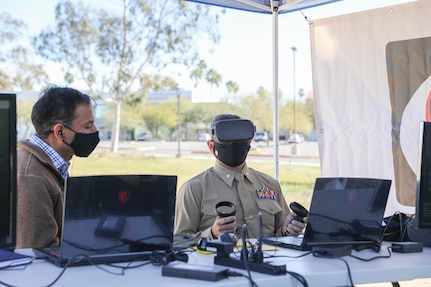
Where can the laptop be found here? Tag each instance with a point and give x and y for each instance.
(115, 218)
(343, 212)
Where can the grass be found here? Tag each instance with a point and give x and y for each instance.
(296, 181)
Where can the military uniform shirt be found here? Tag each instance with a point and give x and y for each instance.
(196, 200)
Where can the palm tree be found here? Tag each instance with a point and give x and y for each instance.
(232, 88)
(213, 78)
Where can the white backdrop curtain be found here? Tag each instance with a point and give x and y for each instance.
(371, 77)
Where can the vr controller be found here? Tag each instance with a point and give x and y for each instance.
(225, 209)
(300, 210)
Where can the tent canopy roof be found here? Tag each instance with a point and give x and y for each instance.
(266, 6)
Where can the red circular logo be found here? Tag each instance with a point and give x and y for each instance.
(123, 196)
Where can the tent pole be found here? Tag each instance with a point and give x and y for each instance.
(275, 138)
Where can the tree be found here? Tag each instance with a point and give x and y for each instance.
(304, 117)
(131, 118)
(23, 117)
(257, 108)
(19, 69)
(111, 52)
(232, 88)
(213, 78)
(197, 73)
(159, 116)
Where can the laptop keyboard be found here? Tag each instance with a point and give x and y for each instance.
(54, 252)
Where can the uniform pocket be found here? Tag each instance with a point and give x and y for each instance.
(268, 205)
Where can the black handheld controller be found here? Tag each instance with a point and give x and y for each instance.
(300, 210)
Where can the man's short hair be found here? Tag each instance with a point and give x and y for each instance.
(222, 117)
(56, 105)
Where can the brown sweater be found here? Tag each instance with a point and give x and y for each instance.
(40, 198)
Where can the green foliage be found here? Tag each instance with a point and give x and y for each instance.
(113, 47)
(113, 50)
(161, 119)
(258, 108)
(197, 73)
(304, 117)
(213, 77)
(232, 89)
(19, 69)
(120, 50)
(23, 110)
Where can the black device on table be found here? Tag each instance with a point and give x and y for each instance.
(419, 229)
(8, 183)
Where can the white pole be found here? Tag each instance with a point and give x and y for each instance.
(275, 138)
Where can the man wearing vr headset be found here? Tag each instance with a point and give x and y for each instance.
(257, 193)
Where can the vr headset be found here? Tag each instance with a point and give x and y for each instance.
(233, 130)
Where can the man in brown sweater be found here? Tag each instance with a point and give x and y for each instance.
(64, 122)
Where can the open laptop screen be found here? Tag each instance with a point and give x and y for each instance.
(347, 210)
(114, 214)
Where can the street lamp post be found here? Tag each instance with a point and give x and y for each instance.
(179, 124)
(295, 148)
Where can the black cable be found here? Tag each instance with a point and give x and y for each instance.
(288, 256)
(382, 236)
(56, 279)
(295, 275)
(230, 273)
(245, 254)
(128, 266)
(298, 277)
(403, 226)
(349, 273)
(373, 258)
(79, 257)
(406, 226)
(124, 242)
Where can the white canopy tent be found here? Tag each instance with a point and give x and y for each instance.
(272, 7)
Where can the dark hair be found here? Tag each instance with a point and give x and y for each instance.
(57, 105)
(222, 117)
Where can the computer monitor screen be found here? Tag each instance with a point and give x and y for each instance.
(7, 171)
(423, 192)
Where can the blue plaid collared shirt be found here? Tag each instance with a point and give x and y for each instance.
(60, 164)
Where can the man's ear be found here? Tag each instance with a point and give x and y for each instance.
(210, 145)
(58, 131)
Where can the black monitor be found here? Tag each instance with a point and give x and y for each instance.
(8, 171)
(423, 192)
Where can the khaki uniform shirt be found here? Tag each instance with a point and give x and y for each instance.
(196, 200)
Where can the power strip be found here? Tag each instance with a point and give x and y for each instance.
(192, 271)
(265, 268)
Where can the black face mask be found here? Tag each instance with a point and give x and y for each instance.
(83, 144)
(232, 154)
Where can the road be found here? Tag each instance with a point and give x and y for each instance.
(306, 153)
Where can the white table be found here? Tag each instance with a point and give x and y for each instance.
(319, 272)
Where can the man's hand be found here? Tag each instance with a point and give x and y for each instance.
(223, 224)
(293, 227)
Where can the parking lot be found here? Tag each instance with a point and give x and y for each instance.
(306, 152)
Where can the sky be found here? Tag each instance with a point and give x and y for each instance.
(245, 52)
